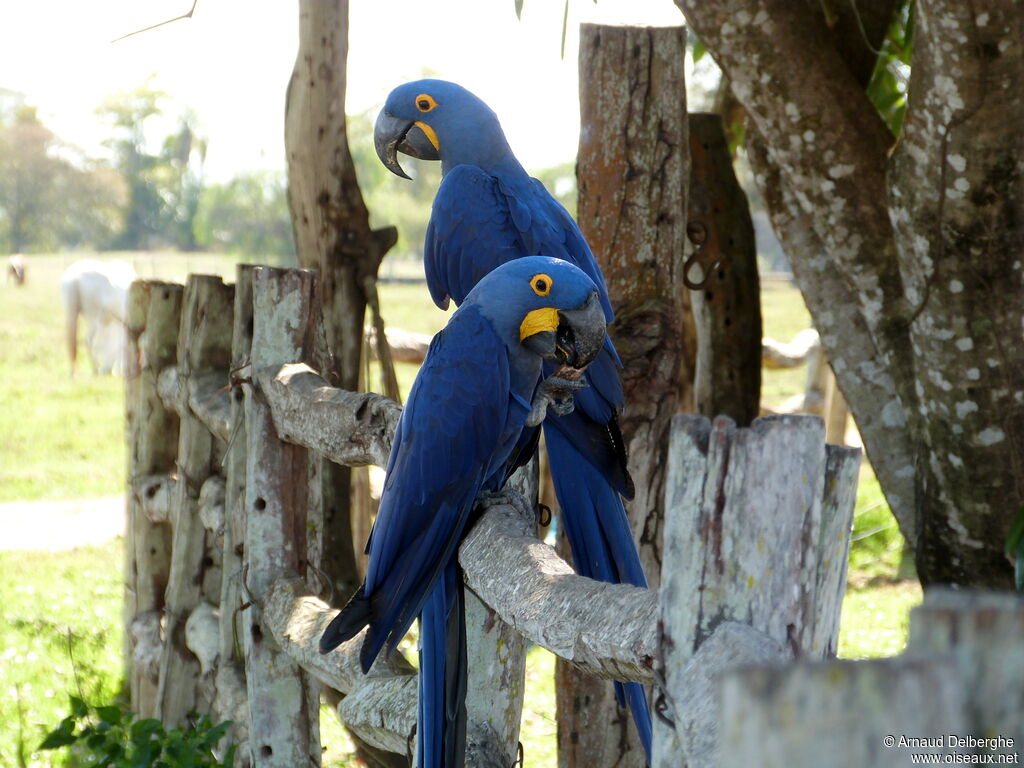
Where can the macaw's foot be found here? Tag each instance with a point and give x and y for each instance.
(555, 392)
(506, 497)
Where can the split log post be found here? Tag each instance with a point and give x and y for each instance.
(727, 308)
(497, 667)
(283, 700)
(982, 632)
(154, 312)
(633, 169)
(204, 344)
(837, 713)
(758, 521)
(230, 702)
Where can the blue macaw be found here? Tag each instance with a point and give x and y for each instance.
(489, 211)
(470, 421)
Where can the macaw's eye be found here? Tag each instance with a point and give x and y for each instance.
(541, 284)
(425, 102)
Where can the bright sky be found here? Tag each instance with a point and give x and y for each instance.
(231, 63)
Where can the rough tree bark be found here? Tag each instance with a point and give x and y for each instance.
(909, 259)
(333, 235)
(632, 172)
(154, 314)
(727, 309)
(204, 344)
(283, 700)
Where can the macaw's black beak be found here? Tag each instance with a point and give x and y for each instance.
(580, 334)
(392, 135)
(569, 337)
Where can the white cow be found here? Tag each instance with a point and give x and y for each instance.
(97, 290)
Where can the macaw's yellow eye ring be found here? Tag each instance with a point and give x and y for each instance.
(425, 102)
(541, 284)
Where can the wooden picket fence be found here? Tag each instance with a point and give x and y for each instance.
(229, 429)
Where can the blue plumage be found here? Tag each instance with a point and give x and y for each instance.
(463, 432)
(487, 212)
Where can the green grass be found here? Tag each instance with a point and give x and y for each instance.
(55, 607)
(63, 438)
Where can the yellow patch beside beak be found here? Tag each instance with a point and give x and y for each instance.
(538, 321)
(429, 133)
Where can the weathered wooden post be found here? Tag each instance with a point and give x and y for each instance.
(497, 668)
(758, 523)
(983, 634)
(284, 701)
(838, 713)
(727, 305)
(154, 311)
(230, 702)
(632, 169)
(204, 348)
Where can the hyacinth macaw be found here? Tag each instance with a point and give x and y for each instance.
(489, 211)
(470, 421)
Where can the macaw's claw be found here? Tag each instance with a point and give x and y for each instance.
(555, 392)
(506, 497)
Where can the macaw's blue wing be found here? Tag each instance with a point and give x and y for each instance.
(452, 441)
(480, 221)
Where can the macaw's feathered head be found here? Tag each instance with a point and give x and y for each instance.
(437, 120)
(547, 305)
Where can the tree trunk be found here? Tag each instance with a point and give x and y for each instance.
(909, 263)
(727, 307)
(632, 172)
(333, 235)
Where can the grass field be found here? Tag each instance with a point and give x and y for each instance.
(62, 439)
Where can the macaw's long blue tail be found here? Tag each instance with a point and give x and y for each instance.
(602, 542)
(443, 669)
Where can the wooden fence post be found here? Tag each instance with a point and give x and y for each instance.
(632, 170)
(837, 713)
(204, 345)
(230, 702)
(727, 309)
(154, 311)
(284, 701)
(497, 667)
(983, 632)
(758, 521)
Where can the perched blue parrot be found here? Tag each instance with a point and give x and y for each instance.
(488, 211)
(470, 421)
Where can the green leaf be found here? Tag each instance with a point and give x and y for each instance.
(216, 733)
(699, 49)
(519, 9)
(78, 707)
(57, 739)
(142, 729)
(1018, 566)
(109, 714)
(1016, 534)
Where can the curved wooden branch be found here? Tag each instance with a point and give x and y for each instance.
(608, 630)
(349, 428)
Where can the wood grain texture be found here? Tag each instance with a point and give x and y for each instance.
(632, 173)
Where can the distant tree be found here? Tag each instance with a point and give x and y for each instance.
(127, 114)
(28, 182)
(247, 215)
(181, 180)
(50, 195)
(164, 186)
